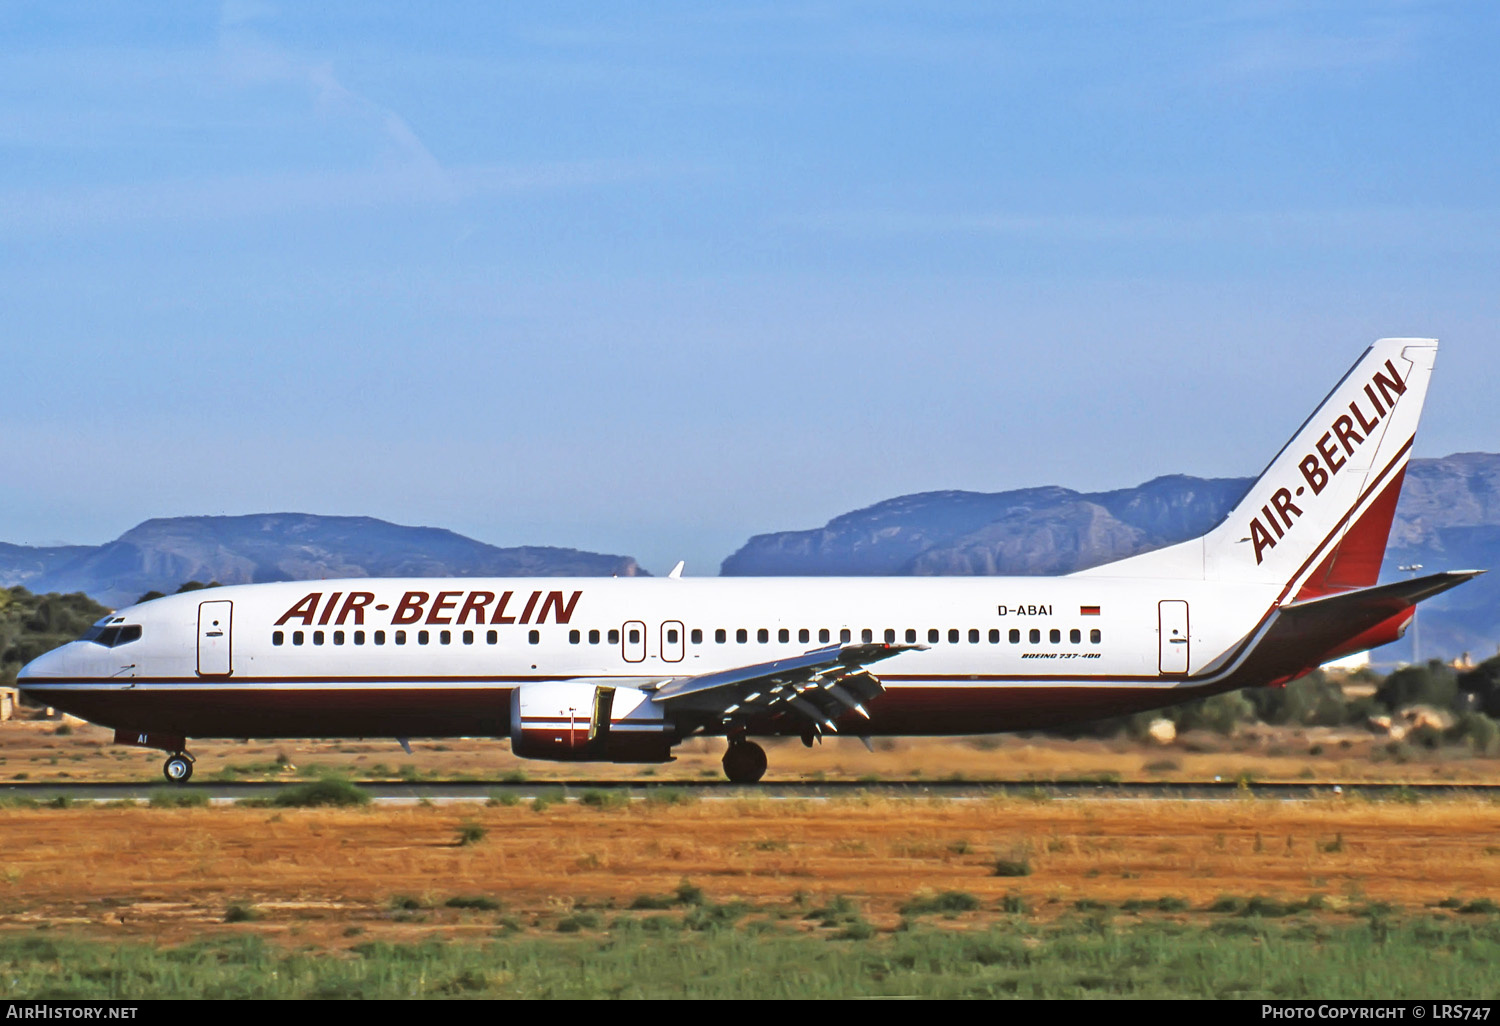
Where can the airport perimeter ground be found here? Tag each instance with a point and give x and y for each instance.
(753, 897)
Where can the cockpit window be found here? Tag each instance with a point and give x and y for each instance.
(113, 635)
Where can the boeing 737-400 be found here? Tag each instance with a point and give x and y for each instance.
(623, 669)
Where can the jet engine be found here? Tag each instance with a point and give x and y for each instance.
(578, 721)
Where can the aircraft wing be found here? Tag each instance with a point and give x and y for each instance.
(818, 686)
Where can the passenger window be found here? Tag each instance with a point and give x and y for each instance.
(721, 636)
(1015, 636)
(762, 635)
(574, 637)
(535, 637)
(783, 635)
(317, 637)
(671, 636)
(911, 635)
(338, 637)
(278, 638)
(1035, 636)
(933, 636)
(994, 636)
(1054, 635)
(446, 637)
(297, 637)
(400, 638)
(741, 635)
(614, 636)
(468, 637)
(953, 635)
(867, 635)
(359, 637)
(804, 636)
(635, 636)
(696, 636)
(890, 635)
(1075, 635)
(845, 635)
(973, 635)
(380, 637)
(593, 637)
(491, 637)
(1094, 636)
(823, 635)
(423, 637)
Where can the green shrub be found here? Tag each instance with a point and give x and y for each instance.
(1227, 903)
(653, 901)
(470, 832)
(1433, 684)
(948, 901)
(1013, 867)
(1480, 732)
(473, 901)
(606, 799)
(239, 913)
(329, 791)
(175, 798)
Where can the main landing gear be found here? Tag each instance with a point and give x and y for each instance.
(744, 762)
(178, 768)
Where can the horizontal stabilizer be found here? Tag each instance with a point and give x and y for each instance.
(1308, 633)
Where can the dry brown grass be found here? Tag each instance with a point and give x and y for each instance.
(328, 877)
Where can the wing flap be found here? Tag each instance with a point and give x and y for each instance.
(818, 686)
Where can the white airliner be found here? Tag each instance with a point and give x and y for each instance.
(623, 669)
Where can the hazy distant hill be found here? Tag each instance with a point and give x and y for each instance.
(161, 554)
(1448, 518)
(25, 564)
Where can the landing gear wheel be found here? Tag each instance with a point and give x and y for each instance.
(745, 762)
(178, 769)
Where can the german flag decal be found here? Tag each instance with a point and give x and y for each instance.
(1088, 610)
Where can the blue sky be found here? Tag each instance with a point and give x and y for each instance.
(648, 278)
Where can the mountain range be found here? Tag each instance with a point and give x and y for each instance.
(161, 554)
(1448, 518)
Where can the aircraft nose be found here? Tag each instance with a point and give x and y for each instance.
(48, 664)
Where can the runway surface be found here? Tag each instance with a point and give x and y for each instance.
(470, 791)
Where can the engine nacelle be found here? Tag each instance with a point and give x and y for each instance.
(576, 721)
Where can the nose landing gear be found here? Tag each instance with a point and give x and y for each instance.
(744, 762)
(178, 768)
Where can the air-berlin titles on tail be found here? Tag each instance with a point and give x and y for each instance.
(1348, 431)
(445, 607)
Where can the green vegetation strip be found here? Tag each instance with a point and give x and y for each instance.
(666, 956)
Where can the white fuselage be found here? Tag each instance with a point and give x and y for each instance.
(333, 643)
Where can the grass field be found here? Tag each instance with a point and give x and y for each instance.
(35, 751)
(606, 897)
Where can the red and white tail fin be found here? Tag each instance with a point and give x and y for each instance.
(1317, 518)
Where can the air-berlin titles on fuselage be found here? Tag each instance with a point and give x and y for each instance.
(1348, 431)
(420, 607)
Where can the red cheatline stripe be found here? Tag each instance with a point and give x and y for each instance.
(1088, 610)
